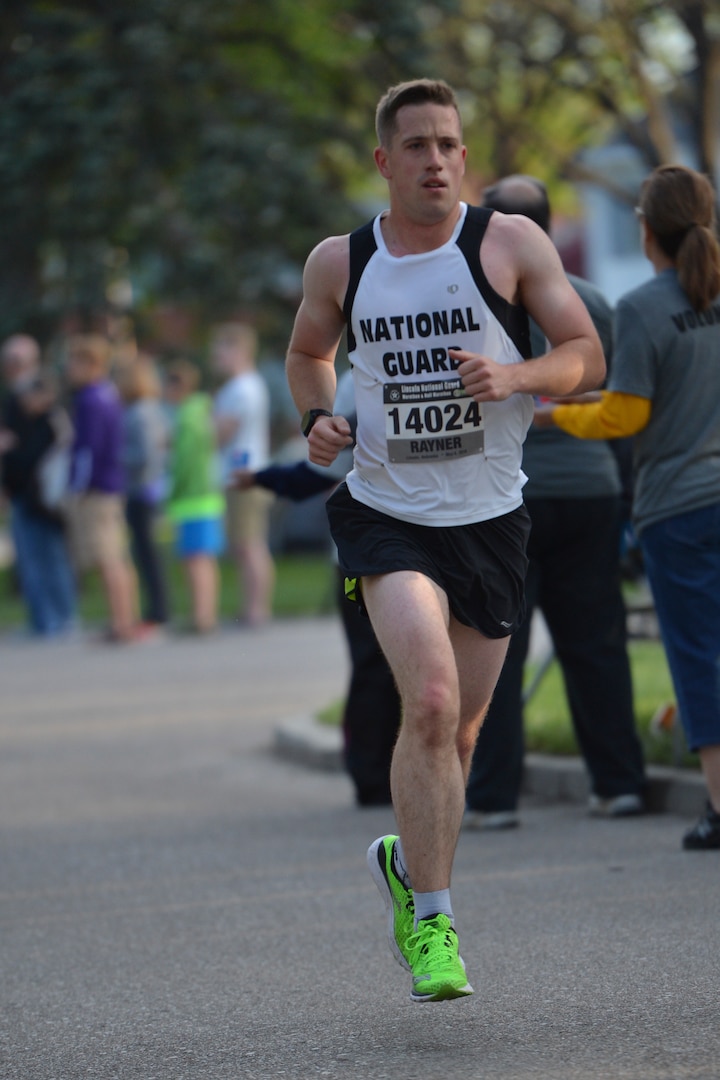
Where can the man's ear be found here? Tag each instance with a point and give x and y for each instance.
(381, 160)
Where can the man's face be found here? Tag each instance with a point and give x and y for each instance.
(425, 162)
(19, 367)
(81, 368)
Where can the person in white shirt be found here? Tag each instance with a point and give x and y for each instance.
(242, 418)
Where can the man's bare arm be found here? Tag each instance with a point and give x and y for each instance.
(310, 363)
(522, 264)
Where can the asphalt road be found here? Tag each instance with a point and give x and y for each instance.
(177, 903)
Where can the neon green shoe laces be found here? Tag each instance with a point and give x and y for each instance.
(437, 968)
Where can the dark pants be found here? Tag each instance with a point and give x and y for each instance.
(44, 569)
(574, 578)
(372, 711)
(140, 518)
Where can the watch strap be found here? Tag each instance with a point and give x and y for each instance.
(308, 420)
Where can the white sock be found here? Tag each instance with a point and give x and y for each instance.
(428, 904)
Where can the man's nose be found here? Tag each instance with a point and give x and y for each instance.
(434, 156)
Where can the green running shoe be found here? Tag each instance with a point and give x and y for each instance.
(437, 968)
(399, 902)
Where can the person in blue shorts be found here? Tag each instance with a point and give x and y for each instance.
(195, 499)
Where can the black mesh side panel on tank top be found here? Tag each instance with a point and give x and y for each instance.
(362, 247)
(512, 317)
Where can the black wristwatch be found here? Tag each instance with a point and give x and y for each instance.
(308, 420)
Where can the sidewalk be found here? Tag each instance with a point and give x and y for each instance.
(552, 779)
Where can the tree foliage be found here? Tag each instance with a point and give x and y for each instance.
(202, 148)
(207, 144)
(547, 80)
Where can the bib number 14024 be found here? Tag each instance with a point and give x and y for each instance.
(431, 421)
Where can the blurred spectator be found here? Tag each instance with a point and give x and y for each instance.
(195, 499)
(35, 434)
(664, 390)
(96, 509)
(574, 498)
(242, 418)
(145, 448)
(371, 716)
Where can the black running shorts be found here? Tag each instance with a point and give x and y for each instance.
(481, 567)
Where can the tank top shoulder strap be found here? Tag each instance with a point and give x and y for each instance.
(512, 317)
(363, 246)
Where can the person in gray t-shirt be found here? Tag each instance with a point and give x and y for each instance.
(665, 389)
(573, 496)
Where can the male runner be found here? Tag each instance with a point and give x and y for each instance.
(430, 522)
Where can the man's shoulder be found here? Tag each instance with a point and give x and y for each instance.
(327, 272)
(508, 226)
(330, 251)
(515, 239)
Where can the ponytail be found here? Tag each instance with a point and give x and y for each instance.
(698, 266)
(679, 207)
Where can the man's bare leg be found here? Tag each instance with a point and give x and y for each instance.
(479, 664)
(445, 673)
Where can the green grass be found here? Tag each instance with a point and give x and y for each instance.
(548, 728)
(304, 586)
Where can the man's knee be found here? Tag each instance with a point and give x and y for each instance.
(432, 715)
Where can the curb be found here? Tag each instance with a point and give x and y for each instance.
(301, 739)
(305, 741)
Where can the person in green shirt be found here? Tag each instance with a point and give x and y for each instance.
(195, 501)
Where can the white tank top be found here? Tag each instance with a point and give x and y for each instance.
(425, 452)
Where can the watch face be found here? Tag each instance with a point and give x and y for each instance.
(309, 419)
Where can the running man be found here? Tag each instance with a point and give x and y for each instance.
(430, 524)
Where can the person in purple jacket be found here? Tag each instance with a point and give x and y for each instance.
(97, 482)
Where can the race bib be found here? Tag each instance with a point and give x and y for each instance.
(431, 421)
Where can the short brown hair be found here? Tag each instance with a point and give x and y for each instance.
(415, 92)
(678, 205)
